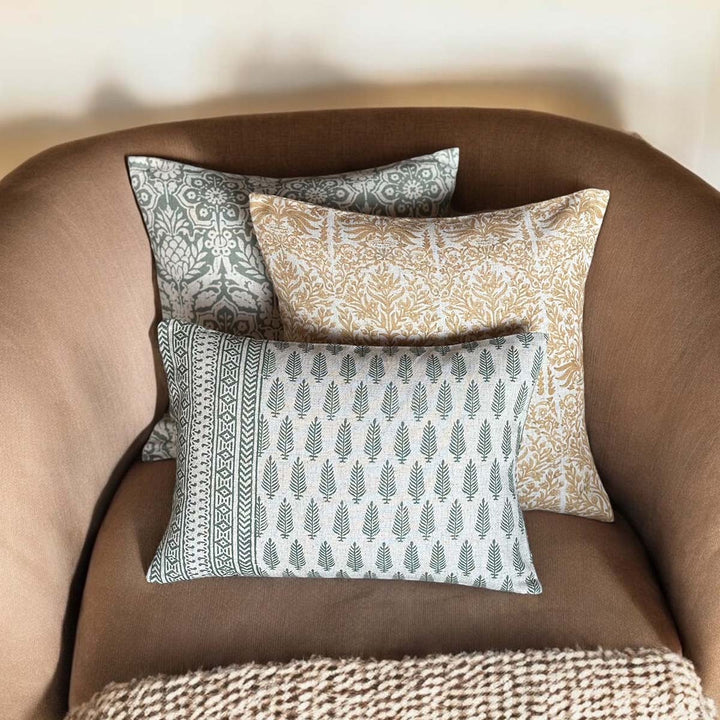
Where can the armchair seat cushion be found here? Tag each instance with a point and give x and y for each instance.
(599, 590)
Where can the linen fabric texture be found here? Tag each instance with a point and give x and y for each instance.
(345, 277)
(209, 268)
(350, 462)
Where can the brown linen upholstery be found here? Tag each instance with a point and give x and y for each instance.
(598, 590)
(80, 384)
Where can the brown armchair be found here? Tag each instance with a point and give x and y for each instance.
(80, 385)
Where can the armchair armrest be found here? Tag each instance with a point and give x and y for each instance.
(77, 390)
(652, 329)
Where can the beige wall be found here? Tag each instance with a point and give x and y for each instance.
(69, 68)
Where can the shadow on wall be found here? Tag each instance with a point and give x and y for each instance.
(113, 108)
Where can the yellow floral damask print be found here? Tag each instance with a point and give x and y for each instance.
(350, 278)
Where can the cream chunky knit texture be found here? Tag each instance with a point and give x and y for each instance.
(538, 684)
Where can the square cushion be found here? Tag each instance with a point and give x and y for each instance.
(208, 265)
(598, 589)
(346, 277)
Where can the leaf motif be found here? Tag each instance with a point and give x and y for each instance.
(361, 403)
(433, 369)
(457, 441)
(498, 401)
(387, 487)
(343, 443)
(297, 555)
(327, 481)
(520, 400)
(484, 446)
(293, 366)
(512, 363)
(482, 523)
(487, 365)
(412, 559)
(298, 484)
(269, 364)
(263, 435)
(341, 523)
(437, 558)
(390, 403)
(472, 399)
(371, 522)
(506, 446)
(470, 481)
(518, 562)
(458, 367)
(455, 520)
(285, 443)
(533, 585)
(377, 369)
(331, 406)
(270, 554)
(495, 485)
(428, 443)
(302, 399)
(405, 369)
(383, 560)
(507, 585)
(442, 481)
(348, 369)
(372, 441)
(494, 562)
(354, 560)
(444, 400)
(270, 483)
(418, 404)
(261, 521)
(507, 523)
(402, 443)
(319, 367)
(285, 519)
(537, 364)
(427, 520)
(401, 522)
(497, 342)
(325, 556)
(313, 443)
(312, 519)
(466, 562)
(356, 487)
(525, 339)
(276, 397)
(416, 486)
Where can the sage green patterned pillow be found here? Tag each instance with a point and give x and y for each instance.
(209, 267)
(353, 462)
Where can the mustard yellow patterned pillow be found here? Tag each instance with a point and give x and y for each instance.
(349, 278)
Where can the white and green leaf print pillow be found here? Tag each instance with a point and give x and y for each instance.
(337, 461)
(209, 267)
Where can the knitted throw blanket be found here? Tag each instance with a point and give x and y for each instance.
(546, 684)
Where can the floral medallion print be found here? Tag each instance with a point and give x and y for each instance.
(316, 460)
(350, 278)
(209, 268)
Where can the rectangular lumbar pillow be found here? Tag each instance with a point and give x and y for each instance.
(345, 277)
(340, 461)
(209, 268)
